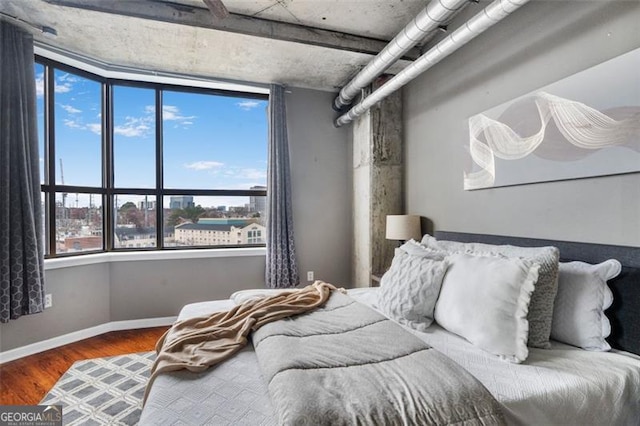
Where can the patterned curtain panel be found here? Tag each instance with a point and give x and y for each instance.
(21, 250)
(282, 269)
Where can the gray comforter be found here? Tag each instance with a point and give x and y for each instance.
(347, 364)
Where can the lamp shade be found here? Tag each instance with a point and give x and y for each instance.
(403, 227)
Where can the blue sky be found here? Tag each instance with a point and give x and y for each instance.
(210, 142)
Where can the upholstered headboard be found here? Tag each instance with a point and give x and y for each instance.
(624, 314)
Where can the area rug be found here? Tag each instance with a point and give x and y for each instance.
(102, 391)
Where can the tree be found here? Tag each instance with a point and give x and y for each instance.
(129, 213)
(127, 206)
(191, 214)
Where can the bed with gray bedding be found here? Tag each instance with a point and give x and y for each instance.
(347, 364)
(562, 385)
(344, 363)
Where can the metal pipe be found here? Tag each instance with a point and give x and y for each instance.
(431, 18)
(492, 14)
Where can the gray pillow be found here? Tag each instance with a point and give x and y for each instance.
(410, 288)
(583, 296)
(541, 306)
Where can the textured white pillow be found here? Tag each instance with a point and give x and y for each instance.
(409, 289)
(415, 248)
(583, 296)
(485, 299)
(541, 306)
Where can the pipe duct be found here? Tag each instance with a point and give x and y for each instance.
(489, 16)
(437, 13)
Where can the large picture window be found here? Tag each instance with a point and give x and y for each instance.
(131, 165)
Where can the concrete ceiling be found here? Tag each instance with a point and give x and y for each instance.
(317, 44)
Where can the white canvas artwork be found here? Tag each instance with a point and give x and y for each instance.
(585, 125)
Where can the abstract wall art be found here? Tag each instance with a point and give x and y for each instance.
(585, 125)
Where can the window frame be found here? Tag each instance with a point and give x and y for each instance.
(49, 188)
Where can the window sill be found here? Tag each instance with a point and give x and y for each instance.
(92, 259)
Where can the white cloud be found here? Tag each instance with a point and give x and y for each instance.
(248, 105)
(252, 174)
(73, 124)
(67, 77)
(246, 173)
(204, 165)
(40, 85)
(63, 88)
(134, 127)
(70, 109)
(78, 124)
(131, 131)
(172, 113)
(94, 127)
(64, 83)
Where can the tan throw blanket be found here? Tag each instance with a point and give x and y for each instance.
(198, 343)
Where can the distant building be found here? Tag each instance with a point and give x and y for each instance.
(82, 243)
(181, 202)
(258, 203)
(147, 205)
(209, 233)
(236, 221)
(132, 237)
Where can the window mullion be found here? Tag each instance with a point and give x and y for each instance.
(108, 220)
(159, 173)
(50, 155)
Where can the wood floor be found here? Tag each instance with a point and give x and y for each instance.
(26, 381)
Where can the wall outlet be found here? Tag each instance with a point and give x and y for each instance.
(48, 300)
(310, 276)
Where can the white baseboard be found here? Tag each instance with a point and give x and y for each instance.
(65, 339)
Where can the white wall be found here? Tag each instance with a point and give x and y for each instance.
(86, 296)
(539, 44)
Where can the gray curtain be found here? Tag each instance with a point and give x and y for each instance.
(21, 256)
(282, 269)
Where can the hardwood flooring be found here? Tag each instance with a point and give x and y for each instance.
(26, 381)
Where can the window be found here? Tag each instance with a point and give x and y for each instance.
(134, 165)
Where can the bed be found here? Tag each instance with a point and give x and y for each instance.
(562, 384)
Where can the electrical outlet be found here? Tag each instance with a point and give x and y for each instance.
(310, 276)
(48, 300)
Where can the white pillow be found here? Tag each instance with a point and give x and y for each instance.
(583, 296)
(485, 299)
(541, 306)
(415, 248)
(409, 289)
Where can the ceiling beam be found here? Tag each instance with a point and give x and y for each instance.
(176, 13)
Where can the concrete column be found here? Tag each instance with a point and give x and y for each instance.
(377, 185)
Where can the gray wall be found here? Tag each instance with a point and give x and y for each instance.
(539, 44)
(160, 288)
(87, 296)
(80, 300)
(321, 187)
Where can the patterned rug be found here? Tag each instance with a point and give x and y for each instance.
(103, 391)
